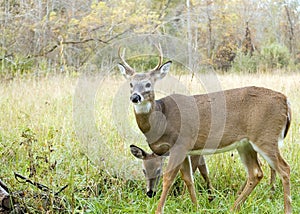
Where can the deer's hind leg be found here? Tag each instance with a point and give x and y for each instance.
(283, 170)
(249, 158)
(272, 182)
(275, 160)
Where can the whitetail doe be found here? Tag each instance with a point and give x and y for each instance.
(152, 168)
(256, 121)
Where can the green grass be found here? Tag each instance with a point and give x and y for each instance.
(38, 139)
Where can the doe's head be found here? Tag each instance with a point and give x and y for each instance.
(152, 168)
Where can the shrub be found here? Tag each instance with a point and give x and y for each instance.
(225, 54)
(274, 55)
(13, 66)
(245, 62)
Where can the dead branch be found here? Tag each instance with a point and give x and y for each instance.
(44, 53)
(38, 185)
(26, 180)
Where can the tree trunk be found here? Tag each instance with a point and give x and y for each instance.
(248, 47)
(189, 34)
(209, 29)
(291, 30)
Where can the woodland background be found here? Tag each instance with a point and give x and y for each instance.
(59, 36)
(47, 48)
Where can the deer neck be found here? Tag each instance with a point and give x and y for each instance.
(143, 112)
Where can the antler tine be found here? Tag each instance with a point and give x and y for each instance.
(158, 47)
(127, 67)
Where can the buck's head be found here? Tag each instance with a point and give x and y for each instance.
(142, 84)
(152, 168)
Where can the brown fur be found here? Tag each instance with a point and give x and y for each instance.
(179, 124)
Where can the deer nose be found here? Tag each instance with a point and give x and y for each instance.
(135, 98)
(151, 194)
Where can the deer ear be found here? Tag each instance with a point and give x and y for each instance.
(162, 71)
(138, 152)
(127, 74)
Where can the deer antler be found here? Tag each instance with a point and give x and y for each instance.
(125, 64)
(158, 47)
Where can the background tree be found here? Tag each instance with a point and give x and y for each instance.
(51, 35)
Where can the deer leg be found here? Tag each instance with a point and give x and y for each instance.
(272, 182)
(198, 162)
(177, 156)
(283, 169)
(242, 188)
(272, 179)
(195, 162)
(204, 172)
(168, 179)
(186, 175)
(249, 158)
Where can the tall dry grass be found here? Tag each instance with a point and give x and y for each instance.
(38, 138)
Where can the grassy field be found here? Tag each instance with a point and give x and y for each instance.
(76, 131)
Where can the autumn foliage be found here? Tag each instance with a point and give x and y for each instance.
(55, 36)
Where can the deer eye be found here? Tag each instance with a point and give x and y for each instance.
(131, 85)
(148, 85)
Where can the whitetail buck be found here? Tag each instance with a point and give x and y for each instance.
(152, 168)
(256, 121)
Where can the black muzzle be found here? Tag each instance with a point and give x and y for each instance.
(135, 98)
(151, 194)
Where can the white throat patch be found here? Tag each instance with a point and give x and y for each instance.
(142, 108)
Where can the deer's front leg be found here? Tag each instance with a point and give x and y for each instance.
(177, 156)
(187, 176)
(168, 180)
